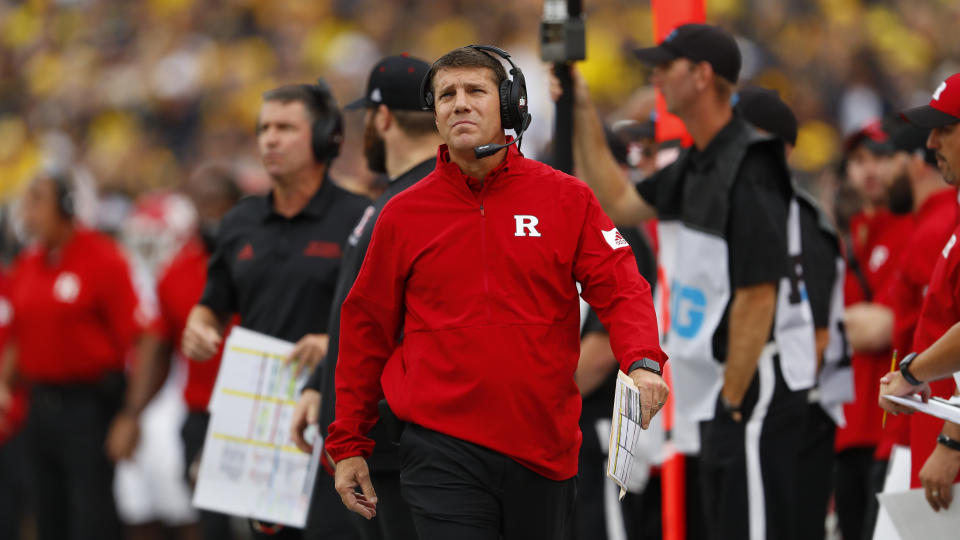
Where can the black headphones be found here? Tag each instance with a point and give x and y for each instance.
(327, 130)
(513, 93)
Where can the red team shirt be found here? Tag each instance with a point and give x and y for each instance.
(10, 421)
(75, 315)
(941, 310)
(877, 242)
(178, 290)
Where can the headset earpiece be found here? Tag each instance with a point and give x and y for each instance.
(519, 118)
(426, 93)
(64, 192)
(506, 114)
(327, 130)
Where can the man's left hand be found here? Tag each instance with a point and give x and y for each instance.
(937, 476)
(308, 352)
(653, 394)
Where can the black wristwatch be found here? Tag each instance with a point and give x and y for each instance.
(647, 364)
(733, 411)
(905, 369)
(948, 442)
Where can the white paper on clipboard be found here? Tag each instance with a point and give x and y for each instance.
(624, 432)
(249, 466)
(942, 409)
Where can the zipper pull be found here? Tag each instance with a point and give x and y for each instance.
(482, 214)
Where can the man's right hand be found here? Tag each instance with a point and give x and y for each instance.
(893, 384)
(305, 413)
(352, 472)
(200, 340)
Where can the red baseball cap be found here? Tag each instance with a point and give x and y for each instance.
(944, 107)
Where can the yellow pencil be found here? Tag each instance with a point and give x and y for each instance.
(893, 366)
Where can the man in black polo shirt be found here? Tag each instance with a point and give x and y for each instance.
(723, 210)
(277, 257)
(401, 141)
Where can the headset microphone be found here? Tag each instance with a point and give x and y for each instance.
(487, 150)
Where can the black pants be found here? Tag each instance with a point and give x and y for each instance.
(213, 525)
(815, 473)
(13, 487)
(859, 477)
(71, 476)
(693, 491)
(748, 469)
(462, 491)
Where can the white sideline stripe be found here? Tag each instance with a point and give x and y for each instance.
(756, 508)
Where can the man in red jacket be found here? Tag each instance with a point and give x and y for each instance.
(466, 311)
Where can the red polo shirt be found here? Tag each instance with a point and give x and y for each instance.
(878, 240)
(76, 312)
(10, 421)
(178, 290)
(941, 310)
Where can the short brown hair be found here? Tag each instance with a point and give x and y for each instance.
(467, 57)
(415, 123)
(311, 98)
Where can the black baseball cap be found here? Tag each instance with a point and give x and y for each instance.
(394, 82)
(943, 109)
(906, 137)
(700, 43)
(763, 108)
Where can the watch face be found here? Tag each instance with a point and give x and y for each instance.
(651, 365)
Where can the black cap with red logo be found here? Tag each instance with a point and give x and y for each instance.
(394, 82)
(943, 109)
(873, 136)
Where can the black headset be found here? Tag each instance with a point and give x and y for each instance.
(327, 130)
(513, 100)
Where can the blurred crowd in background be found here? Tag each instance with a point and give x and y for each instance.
(136, 94)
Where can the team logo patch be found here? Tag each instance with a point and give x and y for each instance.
(939, 90)
(327, 250)
(246, 253)
(878, 257)
(614, 238)
(526, 225)
(67, 287)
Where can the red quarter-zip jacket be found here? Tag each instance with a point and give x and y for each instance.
(466, 312)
